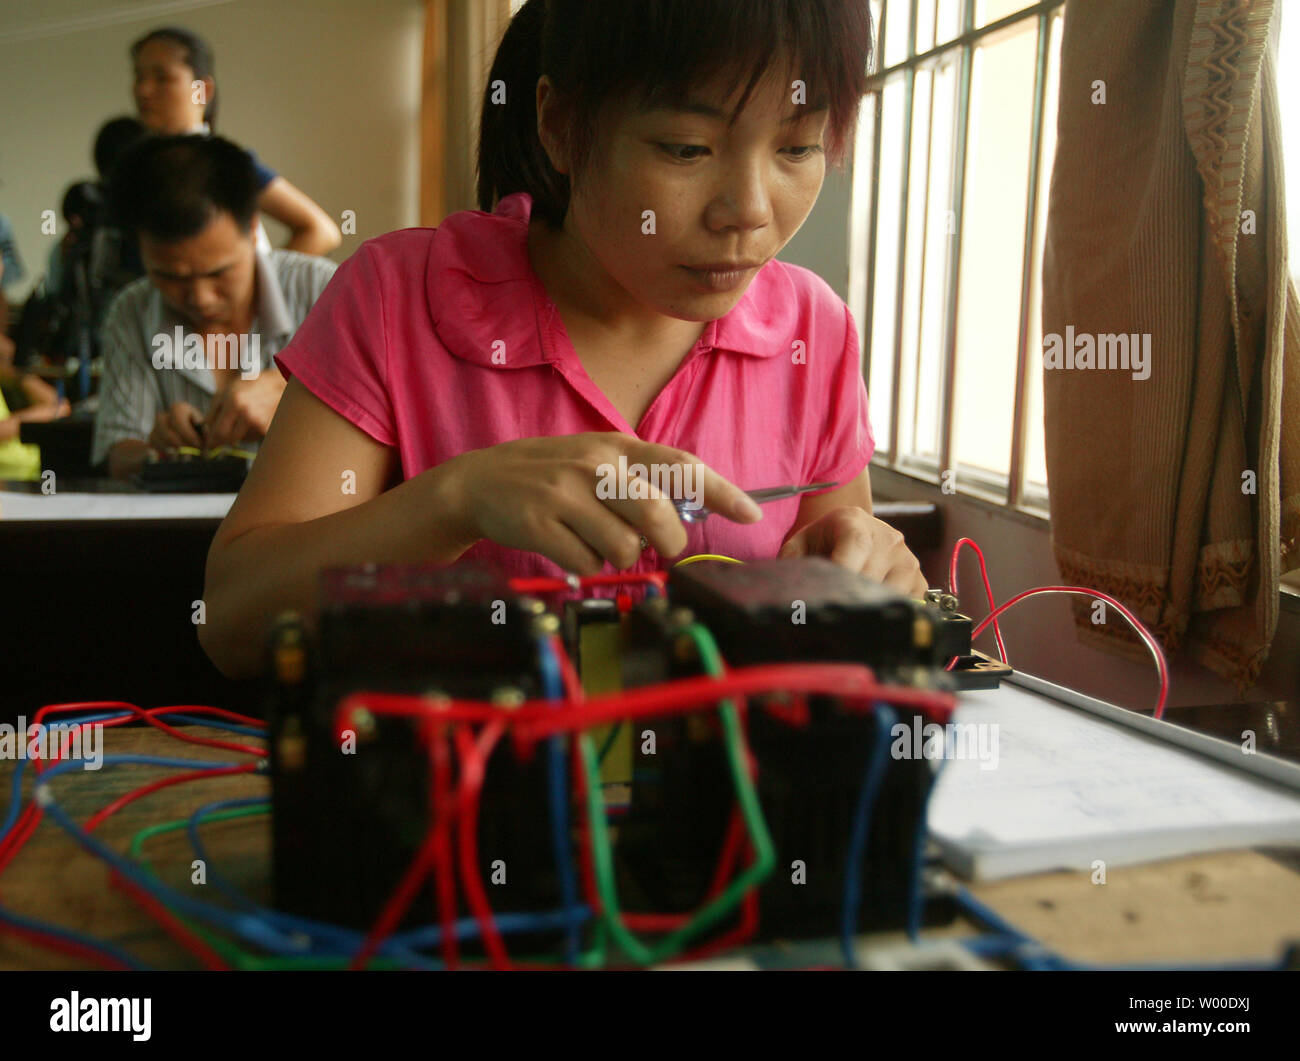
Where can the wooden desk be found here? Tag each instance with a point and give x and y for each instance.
(1224, 908)
(53, 879)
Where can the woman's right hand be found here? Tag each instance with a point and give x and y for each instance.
(539, 495)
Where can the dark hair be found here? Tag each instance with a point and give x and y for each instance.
(114, 137)
(198, 57)
(658, 50)
(171, 187)
(83, 200)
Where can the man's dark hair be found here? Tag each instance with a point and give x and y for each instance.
(657, 52)
(114, 137)
(83, 200)
(171, 187)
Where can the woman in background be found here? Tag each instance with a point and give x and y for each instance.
(168, 62)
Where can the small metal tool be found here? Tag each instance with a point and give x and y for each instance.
(761, 497)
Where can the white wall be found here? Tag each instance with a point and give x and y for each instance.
(327, 92)
(822, 245)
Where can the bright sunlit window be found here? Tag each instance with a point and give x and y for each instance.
(951, 174)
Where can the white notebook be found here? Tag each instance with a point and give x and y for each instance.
(1069, 789)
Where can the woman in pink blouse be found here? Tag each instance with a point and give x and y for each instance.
(461, 392)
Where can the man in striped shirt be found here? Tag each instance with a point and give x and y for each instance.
(188, 348)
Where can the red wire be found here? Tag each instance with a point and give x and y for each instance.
(403, 895)
(473, 767)
(1148, 638)
(445, 880)
(568, 673)
(988, 589)
(209, 958)
(30, 819)
(732, 845)
(169, 923)
(538, 719)
(166, 782)
(148, 715)
(586, 860)
(65, 946)
(400, 901)
(32, 815)
(173, 927)
(544, 584)
(188, 709)
(19, 835)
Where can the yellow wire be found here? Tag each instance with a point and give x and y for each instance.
(220, 451)
(707, 556)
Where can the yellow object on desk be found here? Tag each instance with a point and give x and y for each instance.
(18, 460)
(212, 454)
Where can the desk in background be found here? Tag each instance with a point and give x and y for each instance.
(65, 444)
(98, 597)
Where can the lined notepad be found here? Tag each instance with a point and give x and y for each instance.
(1070, 788)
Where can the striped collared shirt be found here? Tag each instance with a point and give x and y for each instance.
(133, 392)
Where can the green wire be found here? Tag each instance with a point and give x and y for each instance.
(751, 811)
(611, 923)
(246, 960)
(609, 740)
(237, 956)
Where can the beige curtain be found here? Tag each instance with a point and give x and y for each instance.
(460, 39)
(1179, 493)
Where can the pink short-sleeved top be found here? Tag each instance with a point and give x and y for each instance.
(439, 341)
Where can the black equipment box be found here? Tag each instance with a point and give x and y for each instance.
(346, 826)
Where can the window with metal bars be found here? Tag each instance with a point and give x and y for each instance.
(951, 172)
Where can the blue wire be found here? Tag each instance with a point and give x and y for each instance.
(348, 939)
(884, 717)
(200, 852)
(416, 938)
(102, 946)
(63, 766)
(11, 818)
(917, 900)
(243, 926)
(468, 927)
(290, 924)
(246, 926)
(253, 926)
(557, 784)
(16, 785)
(232, 727)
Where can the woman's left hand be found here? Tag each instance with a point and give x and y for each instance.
(852, 538)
